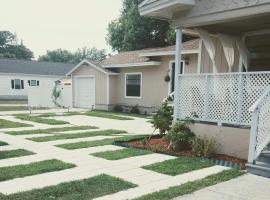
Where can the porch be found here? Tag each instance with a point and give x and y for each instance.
(232, 87)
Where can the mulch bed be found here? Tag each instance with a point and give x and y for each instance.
(161, 145)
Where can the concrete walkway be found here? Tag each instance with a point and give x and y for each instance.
(88, 166)
(247, 187)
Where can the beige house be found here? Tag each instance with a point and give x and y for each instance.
(131, 78)
(230, 96)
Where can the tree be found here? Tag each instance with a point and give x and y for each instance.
(10, 48)
(65, 56)
(132, 31)
(58, 55)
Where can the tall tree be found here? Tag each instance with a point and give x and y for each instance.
(133, 31)
(10, 48)
(65, 56)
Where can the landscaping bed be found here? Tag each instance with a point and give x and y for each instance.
(160, 144)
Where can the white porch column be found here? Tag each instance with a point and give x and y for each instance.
(178, 59)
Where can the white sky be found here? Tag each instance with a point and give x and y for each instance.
(50, 24)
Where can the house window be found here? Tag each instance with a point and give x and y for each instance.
(33, 83)
(17, 84)
(173, 74)
(133, 85)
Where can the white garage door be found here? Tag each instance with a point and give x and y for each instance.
(85, 92)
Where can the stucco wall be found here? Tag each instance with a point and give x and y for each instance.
(6, 92)
(232, 141)
(101, 82)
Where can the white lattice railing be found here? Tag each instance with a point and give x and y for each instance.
(222, 98)
(260, 126)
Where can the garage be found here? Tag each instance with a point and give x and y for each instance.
(85, 92)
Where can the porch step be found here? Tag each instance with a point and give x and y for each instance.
(264, 157)
(260, 169)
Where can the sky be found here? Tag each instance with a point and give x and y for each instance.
(51, 24)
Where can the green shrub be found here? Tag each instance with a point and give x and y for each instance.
(204, 146)
(163, 119)
(135, 110)
(180, 136)
(118, 108)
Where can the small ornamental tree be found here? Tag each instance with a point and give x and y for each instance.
(163, 119)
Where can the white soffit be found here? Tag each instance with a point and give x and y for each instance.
(164, 8)
(166, 53)
(151, 63)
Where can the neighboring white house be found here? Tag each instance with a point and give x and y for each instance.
(17, 76)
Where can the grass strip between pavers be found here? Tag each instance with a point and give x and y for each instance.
(76, 135)
(50, 130)
(10, 124)
(3, 143)
(122, 153)
(193, 186)
(14, 153)
(19, 171)
(107, 115)
(179, 165)
(42, 120)
(90, 188)
(86, 144)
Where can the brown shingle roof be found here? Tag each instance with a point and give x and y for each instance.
(134, 56)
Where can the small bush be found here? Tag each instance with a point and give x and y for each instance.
(163, 119)
(180, 136)
(135, 110)
(204, 146)
(118, 108)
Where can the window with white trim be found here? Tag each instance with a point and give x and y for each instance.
(17, 84)
(133, 85)
(33, 83)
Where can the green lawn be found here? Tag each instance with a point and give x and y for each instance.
(50, 130)
(125, 114)
(14, 153)
(85, 189)
(20, 171)
(9, 124)
(193, 186)
(108, 115)
(179, 165)
(38, 119)
(76, 135)
(122, 153)
(86, 144)
(13, 108)
(3, 143)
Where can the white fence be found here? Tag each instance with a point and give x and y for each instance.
(42, 96)
(222, 98)
(260, 128)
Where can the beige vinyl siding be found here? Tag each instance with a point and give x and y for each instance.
(192, 66)
(100, 79)
(113, 89)
(154, 88)
(221, 62)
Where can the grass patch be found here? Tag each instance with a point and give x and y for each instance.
(14, 153)
(86, 144)
(193, 186)
(90, 188)
(38, 119)
(107, 115)
(76, 135)
(179, 165)
(3, 143)
(20, 171)
(125, 114)
(50, 130)
(9, 124)
(122, 153)
(13, 108)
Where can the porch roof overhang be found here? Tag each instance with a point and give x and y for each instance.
(167, 53)
(164, 8)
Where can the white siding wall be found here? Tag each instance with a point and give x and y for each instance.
(6, 89)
